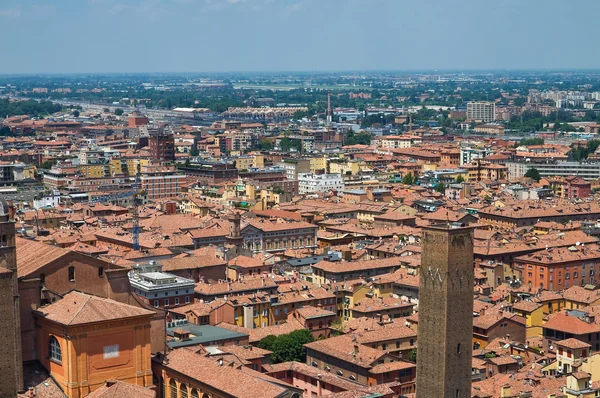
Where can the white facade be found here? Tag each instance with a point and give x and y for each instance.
(49, 200)
(484, 111)
(319, 183)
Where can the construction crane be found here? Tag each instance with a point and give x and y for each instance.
(138, 195)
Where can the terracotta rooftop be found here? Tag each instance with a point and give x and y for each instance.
(228, 380)
(77, 308)
(573, 343)
(570, 324)
(344, 348)
(369, 305)
(390, 331)
(119, 389)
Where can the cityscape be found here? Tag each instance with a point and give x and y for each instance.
(323, 213)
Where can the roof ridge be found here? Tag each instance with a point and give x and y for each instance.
(89, 297)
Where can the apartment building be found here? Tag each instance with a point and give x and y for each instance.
(483, 111)
(309, 183)
(161, 182)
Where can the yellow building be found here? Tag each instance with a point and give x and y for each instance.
(317, 164)
(350, 293)
(579, 383)
(93, 170)
(29, 172)
(344, 168)
(252, 311)
(533, 314)
(578, 297)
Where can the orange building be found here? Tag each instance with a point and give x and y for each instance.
(85, 340)
(560, 268)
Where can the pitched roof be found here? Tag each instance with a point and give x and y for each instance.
(231, 381)
(573, 343)
(118, 389)
(347, 349)
(77, 308)
(32, 255)
(570, 324)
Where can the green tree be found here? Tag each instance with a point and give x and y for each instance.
(48, 164)
(76, 113)
(118, 111)
(460, 179)
(194, 152)
(531, 141)
(533, 173)
(408, 179)
(268, 343)
(264, 144)
(440, 187)
(287, 143)
(412, 355)
(106, 110)
(287, 347)
(278, 190)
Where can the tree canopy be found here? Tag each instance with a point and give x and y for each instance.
(533, 173)
(579, 152)
(362, 138)
(440, 187)
(29, 107)
(287, 347)
(408, 179)
(118, 111)
(287, 143)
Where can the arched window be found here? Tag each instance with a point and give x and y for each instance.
(184, 391)
(54, 351)
(195, 393)
(173, 388)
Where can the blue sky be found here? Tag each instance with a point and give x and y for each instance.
(66, 36)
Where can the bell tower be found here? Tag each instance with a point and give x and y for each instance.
(11, 363)
(445, 312)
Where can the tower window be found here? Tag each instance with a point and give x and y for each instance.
(100, 272)
(72, 274)
(458, 348)
(54, 351)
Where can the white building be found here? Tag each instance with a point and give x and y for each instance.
(50, 199)
(398, 141)
(484, 111)
(468, 154)
(319, 183)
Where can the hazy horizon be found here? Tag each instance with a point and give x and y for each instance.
(296, 36)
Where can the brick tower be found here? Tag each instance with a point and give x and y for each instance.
(11, 364)
(445, 313)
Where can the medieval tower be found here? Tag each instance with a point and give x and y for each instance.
(445, 313)
(11, 366)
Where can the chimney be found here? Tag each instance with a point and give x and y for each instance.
(31, 392)
(355, 349)
(380, 318)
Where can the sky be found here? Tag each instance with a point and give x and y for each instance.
(99, 36)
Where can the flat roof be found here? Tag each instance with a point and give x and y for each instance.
(202, 334)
